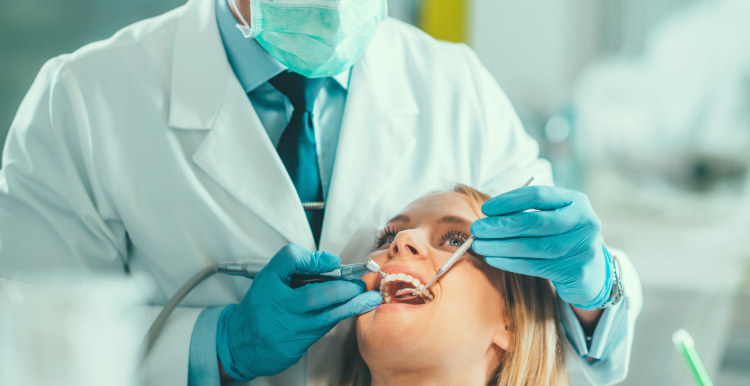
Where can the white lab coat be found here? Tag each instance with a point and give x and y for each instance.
(144, 151)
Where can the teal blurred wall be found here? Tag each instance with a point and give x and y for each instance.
(33, 31)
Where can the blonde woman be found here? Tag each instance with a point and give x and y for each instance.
(477, 325)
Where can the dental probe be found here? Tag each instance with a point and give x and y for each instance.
(411, 293)
(249, 268)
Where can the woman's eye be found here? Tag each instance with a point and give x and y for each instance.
(454, 242)
(453, 239)
(387, 236)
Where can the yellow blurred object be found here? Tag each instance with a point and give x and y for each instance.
(445, 19)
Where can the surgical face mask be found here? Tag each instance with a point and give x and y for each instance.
(315, 38)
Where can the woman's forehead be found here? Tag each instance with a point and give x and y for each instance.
(435, 206)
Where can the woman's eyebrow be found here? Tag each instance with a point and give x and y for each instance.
(400, 218)
(455, 220)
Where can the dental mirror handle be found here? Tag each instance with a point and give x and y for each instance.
(449, 263)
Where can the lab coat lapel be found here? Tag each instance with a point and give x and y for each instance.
(239, 155)
(372, 144)
(237, 152)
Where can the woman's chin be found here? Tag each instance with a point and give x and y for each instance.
(390, 335)
(396, 317)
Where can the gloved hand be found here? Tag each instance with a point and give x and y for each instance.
(274, 325)
(561, 241)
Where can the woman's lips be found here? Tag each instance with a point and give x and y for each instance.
(398, 307)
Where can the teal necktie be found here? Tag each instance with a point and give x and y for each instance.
(297, 147)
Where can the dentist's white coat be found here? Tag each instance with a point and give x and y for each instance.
(144, 151)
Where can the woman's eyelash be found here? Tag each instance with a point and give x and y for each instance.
(454, 234)
(384, 235)
(389, 232)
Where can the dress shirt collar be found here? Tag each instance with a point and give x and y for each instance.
(251, 63)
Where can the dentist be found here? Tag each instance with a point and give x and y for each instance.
(184, 140)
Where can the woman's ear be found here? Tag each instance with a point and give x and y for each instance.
(503, 337)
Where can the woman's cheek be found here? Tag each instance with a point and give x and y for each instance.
(469, 289)
(380, 257)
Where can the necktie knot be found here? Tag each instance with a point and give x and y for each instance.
(300, 90)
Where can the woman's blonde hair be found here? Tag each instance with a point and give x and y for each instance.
(537, 356)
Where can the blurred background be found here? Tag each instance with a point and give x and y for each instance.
(644, 105)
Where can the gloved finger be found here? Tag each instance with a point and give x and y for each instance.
(530, 197)
(540, 223)
(328, 318)
(545, 247)
(529, 267)
(292, 259)
(320, 295)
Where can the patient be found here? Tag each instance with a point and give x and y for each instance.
(476, 325)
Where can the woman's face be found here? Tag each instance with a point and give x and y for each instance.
(462, 324)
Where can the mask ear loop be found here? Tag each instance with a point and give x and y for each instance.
(256, 28)
(384, 15)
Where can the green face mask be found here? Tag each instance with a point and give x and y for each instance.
(315, 38)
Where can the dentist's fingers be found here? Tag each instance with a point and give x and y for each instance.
(317, 296)
(529, 267)
(547, 247)
(331, 316)
(292, 259)
(531, 197)
(539, 223)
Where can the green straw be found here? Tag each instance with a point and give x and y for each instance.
(685, 344)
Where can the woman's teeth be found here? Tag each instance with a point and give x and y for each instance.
(385, 285)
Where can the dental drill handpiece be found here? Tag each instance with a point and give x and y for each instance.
(344, 272)
(250, 267)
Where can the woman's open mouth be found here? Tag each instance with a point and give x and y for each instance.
(399, 277)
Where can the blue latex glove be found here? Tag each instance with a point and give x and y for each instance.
(274, 325)
(561, 241)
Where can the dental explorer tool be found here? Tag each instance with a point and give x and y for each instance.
(411, 293)
(249, 268)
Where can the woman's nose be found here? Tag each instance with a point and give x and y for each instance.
(408, 244)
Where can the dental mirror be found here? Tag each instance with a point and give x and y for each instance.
(411, 293)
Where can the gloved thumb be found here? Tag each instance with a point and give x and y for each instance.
(365, 302)
(368, 301)
(530, 267)
(292, 259)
